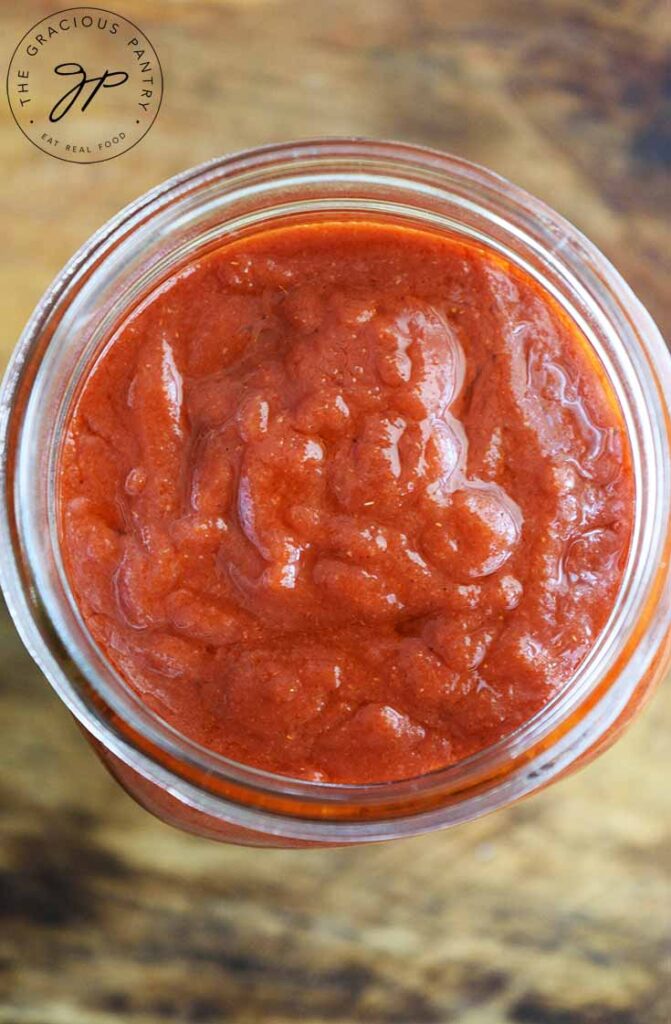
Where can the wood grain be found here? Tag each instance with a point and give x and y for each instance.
(555, 912)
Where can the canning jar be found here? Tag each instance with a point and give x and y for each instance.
(171, 775)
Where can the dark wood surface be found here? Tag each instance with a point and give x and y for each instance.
(554, 912)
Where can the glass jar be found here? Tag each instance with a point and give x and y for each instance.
(171, 775)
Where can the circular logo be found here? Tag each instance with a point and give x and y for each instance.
(84, 85)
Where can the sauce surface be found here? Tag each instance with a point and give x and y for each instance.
(347, 502)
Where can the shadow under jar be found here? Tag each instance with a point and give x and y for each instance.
(153, 239)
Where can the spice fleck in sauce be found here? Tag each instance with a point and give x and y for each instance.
(347, 502)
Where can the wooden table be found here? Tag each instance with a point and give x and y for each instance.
(555, 912)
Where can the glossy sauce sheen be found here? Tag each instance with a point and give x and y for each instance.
(347, 502)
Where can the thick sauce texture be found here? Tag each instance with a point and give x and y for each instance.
(345, 501)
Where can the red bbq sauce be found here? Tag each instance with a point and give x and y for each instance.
(346, 501)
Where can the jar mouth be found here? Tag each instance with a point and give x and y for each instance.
(204, 206)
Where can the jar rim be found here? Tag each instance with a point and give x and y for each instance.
(155, 748)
